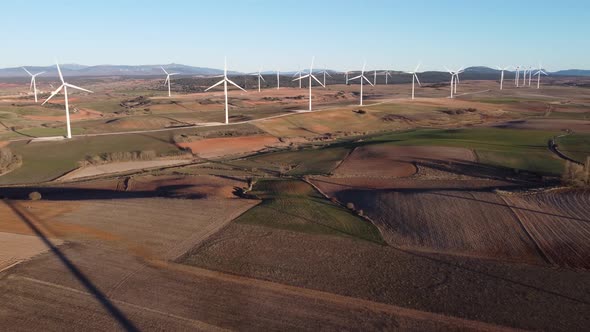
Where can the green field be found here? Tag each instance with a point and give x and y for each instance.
(294, 205)
(44, 161)
(576, 146)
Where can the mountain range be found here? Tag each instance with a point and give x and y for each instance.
(77, 70)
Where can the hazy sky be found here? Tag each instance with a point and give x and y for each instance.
(341, 34)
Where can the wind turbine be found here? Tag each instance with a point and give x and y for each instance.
(454, 80)
(65, 87)
(278, 78)
(259, 76)
(414, 78)
(310, 75)
(530, 74)
(525, 71)
(325, 72)
(168, 80)
(346, 76)
(386, 73)
(375, 77)
(362, 77)
(502, 75)
(517, 75)
(33, 85)
(538, 73)
(225, 80)
(300, 73)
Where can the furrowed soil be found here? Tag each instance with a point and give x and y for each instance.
(218, 147)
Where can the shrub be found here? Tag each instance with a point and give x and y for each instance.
(35, 196)
(8, 160)
(350, 206)
(573, 174)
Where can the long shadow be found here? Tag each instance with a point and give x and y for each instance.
(16, 131)
(82, 278)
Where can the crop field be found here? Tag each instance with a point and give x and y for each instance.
(294, 205)
(559, 222)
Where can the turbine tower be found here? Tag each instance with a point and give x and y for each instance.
(168, 80)
(325, 72)
(538, 73)
(346, 76)
(259, 76)
(454, 80)
(362, 77)
(530, 75)
(502, 70)
(375, 77)
(33, 85)
(278, 78)
(300, 73)
(310, 75)
(65, 87)
(414, 78)
(224, 81)
(516, 75)
(386, 73)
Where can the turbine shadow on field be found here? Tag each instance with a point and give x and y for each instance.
(82, 278)
(16, 131)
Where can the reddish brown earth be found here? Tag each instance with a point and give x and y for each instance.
(396, 161)
(559, 222)
(225, 146)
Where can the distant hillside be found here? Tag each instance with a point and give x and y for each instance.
(572, 72)
(111, 70)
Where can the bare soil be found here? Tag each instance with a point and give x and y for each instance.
(224, 146)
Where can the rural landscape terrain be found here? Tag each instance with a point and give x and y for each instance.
(432, 213)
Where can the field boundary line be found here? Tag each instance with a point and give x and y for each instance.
(194, 322)
(318, 295)
(526, 231)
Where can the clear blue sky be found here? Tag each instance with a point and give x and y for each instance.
(341, 34)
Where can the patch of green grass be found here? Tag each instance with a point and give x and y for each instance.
(294, 205)
(303, 162)
(499, 100)
(44, 161)
(511, 148)
(576, 146)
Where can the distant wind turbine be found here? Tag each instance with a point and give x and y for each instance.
(310, 76)
(325, 72)
(375, 77)
(259, 76)
(517, 75)
(362, 77)
(168, 80)
(454, 80)
(502, 70)
(530, 75)
(278, 78)
(224, 81)
(386, 73)
(300, 73)
(346, 76)
(414, 78)
(33, 85)
(538, 73)
(65, 87)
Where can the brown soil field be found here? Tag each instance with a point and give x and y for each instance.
(225, 146)
(15, 248)
(470, 223)
(82, 114)
(517, 295)
(396, 161)
(559, 222)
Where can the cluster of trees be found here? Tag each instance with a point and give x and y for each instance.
(8, 160)
(576, 174)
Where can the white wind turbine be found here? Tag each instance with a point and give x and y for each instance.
(168, 80)
(346, 76)
(325, 72)
(224, 81)
(362, 77)
(65, 87)
(502, 70)
(278, 78)
(375, 77)
(525, 71)
(530, 75)
(538, 73)
(454, 80)
(310, 75)
(300, 73)
(414, 78)
(387, 74)
(259, 76)
(517, 75)
(33, 85)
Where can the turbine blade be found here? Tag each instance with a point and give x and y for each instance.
(164, 70)
(354, 78)
(61, 77)
(53, 94)
(316, 79)
(214, 85)
(366, 79)
(418, 66)
(417, 80)
(28, 72)
(237, 86)
(302, 77)
(262, 77)
(76, 87)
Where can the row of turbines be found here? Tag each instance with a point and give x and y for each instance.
(298, 76)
